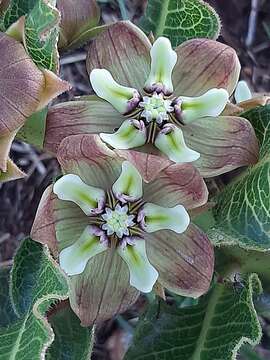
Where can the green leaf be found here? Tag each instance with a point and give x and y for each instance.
(33, 130)
(7, 314)
(242, 213)
(41, 35)
(214, 329)
(36, 283)
(180, 20)
(260, 120)
(16, 9)
(72, 341)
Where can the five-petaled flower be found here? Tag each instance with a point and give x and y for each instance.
(156, 116)
(119, 223)
(160, 101)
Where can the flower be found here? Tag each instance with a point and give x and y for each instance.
(119, 223)
(160, 100)
(24, 90)
(156, 117)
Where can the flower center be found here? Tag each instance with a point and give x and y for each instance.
(117, 221)
(156, 108)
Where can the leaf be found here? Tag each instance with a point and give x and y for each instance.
(36, 283)
(41, 34)
(180, 20)
(18, 77)
(214, 329)
(16, 9)
(242, 215)
(244, 261)
(72, 341)
(77, 26)
(33, 131)
(260, 120)
(7, 314)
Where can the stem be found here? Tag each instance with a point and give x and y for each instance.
(123, 10)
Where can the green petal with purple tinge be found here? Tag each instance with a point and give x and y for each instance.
(142, 274)
(124, 50)
(205, 64)
(90, 199)
(73, 259)
(225, 143)
(128, 187)
(131, 134)
(212, 103)
(184, 261)
(163, 60)
(124, 99)
(170, 141)
(153, 218)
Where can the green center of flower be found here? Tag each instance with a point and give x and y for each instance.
(156, 108)
(117, 221)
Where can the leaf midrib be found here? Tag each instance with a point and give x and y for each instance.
(210, 311)
(163, 16)
(16, 346)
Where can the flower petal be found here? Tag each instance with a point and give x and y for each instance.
(90, 199)
(204, 64)
(132, 133)
(124, 99)
(102, 290)
(212, 103)
(128, 187)
(43, 228)
(170, 141)
(73, 259)
(225, 143)
(124, 50)
(184, 262)
(242, 92)
(149, 165)
(153, 218)
(177, 184)
(90, 116)
(88, 157)
(163, 60)
(142, 274)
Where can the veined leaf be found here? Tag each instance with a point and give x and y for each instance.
(7, 314)
(72, 341)
(180, 20)
(16, 9)
(214, 329)
(41, 34)
(242, 213)
(36, 283)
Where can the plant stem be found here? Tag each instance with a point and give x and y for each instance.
(123, 10)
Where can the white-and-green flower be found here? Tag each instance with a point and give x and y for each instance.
(120, 224)
(160, 101)
(154, 116)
